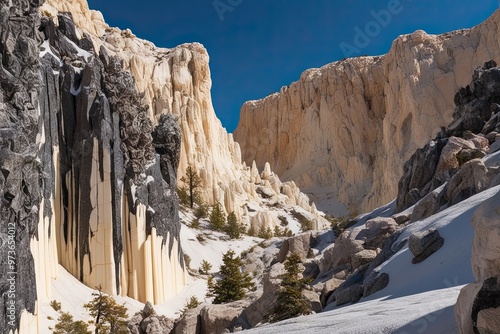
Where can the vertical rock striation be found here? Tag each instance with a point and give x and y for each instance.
(118, 210)
(348, 127)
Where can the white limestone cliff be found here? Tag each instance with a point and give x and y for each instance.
(347, 128)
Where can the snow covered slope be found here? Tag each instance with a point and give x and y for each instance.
(420, 297)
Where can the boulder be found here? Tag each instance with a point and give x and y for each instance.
(189, 322)
(427, 206)
(370, 235)
(362, 258)
(311, 270)
(217, 319)
(299, 244)
(488, 321)
(376, 231)
(448, 161)
(351, 294)
(313, 299)
(429, 251)
(472, 178)
(347, 290)
(419, 241)
(328, 288)
(375, 282)
(402, 217)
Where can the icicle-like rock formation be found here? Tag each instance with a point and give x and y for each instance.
(87, 180)
(348, 127)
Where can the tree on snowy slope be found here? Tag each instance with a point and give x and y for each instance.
(289, 300)
(232, 284)
(192, 181)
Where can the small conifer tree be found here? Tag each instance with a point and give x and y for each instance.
(265, 232)
(192, 182)
(66, 324)
(109, 316)
(205, 267)
(289, 300)
(233, 228)
(232, 284)
(217, 217)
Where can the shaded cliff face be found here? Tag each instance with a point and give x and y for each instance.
(348, 127)
(87, 180)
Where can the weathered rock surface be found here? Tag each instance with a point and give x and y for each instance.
(28, 254)
(486, 243)
(149, 322)
(488, 321)
(396, 103)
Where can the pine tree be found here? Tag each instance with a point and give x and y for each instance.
(232, 284)
(192, 182)
(265, 232)
(289, 300)
(217, 217)
(205, 267)
(110, 317)
(233, 228)
(66, 324)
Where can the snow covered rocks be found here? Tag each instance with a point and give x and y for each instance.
(424, 244)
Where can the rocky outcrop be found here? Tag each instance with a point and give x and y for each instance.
(149, 322)
(453, 158)
(396, 103)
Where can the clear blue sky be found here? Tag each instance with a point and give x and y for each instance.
(258, 46)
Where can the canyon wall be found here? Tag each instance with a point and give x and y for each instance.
(177, 81)
(345, 130)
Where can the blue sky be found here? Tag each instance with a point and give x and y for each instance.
(258, 46)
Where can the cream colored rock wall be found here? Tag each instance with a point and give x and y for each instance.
(178, 81)
(350, 125)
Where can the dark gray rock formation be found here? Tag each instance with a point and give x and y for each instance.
(64, 111)
(477, 111)
(22, 184)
